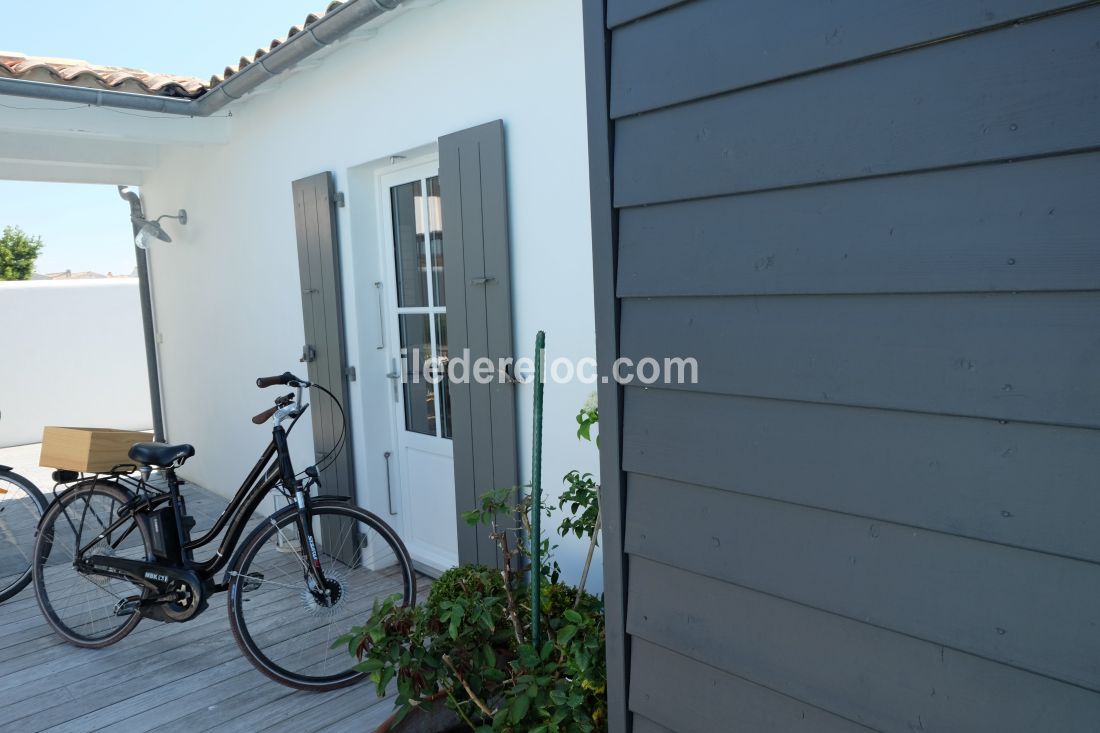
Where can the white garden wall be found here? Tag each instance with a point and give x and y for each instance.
(227, 293)
(73, 355)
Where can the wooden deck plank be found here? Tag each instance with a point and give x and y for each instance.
(169, 677)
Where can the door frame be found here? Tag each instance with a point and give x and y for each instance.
(423, 166)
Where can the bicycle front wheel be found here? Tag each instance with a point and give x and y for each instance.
(282, 624)
(21, 506)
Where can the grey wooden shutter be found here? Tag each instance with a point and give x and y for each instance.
(479, 318)
(324, 350)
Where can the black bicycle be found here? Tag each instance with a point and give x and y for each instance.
(21, 506)
(108, 554)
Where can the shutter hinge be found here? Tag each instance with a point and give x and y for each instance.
(340, 199)
(482, 280)
(349, 372)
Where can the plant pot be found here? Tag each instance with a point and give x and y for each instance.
(438, 719)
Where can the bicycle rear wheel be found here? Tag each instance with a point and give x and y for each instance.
(21, 506)
(280, 622)
(84, 608)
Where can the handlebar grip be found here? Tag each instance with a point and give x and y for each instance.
(284, 378)
(265, 415)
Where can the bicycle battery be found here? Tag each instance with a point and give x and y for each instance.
(166, 539)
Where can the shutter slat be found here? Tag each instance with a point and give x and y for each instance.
(479, 318)
(322, 311)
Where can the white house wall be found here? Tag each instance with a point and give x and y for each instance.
(74, 357)
(227, 296)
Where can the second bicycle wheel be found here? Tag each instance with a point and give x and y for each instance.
(84, 608)
(282, 624)
(21, 506)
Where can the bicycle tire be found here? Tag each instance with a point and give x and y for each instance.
(69, 580)
(39, 502)
(280, 617)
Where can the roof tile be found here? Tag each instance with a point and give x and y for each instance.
(74, 72)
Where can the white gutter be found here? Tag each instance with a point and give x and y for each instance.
(314, 37)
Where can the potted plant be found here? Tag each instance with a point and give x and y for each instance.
(465, 661)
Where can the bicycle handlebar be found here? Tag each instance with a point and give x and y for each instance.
(284, 378)
(265, 415)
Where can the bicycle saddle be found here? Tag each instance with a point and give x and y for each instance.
(161, 455)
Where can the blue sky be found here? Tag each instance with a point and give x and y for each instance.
(87, 227)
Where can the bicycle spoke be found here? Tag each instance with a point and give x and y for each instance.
(290, 637)
(264, 580)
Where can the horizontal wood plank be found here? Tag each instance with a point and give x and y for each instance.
(1022, 91)
(882, 679)
(645, 725)
(1034, 611)
(1030, 486)
(1032, 357)
(694, 697)
(625, 11)
(715, 46)
(1025, 226)
(59, 687)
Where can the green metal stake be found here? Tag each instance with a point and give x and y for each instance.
(536, 495)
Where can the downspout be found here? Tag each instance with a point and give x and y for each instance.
(333, 26)
(152, 366)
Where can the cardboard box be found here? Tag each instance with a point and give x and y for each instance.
(90, 450)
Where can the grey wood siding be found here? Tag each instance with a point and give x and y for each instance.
(876, 230)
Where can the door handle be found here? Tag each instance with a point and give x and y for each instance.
(381, 317)
(394, 376)
(308, 354)
(389, 488)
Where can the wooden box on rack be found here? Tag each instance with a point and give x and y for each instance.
(89, 450)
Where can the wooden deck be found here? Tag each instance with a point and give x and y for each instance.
(168, 677)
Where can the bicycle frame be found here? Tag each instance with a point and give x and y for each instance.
(259, 482)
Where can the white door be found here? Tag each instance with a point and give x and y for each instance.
(424, 466)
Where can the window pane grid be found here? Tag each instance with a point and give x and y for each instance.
(421, 310)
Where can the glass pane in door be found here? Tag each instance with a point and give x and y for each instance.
(435, 239)
(419, 393)
(443, 388)
(408, 243)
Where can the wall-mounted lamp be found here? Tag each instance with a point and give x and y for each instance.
(149, 230)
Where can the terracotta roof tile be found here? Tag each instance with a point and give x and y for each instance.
(73, 72)
(76, 73)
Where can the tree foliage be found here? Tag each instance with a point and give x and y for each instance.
(18, 252)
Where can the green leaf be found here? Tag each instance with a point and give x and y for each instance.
(567, 633)
(519, 708)
(370, 665)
